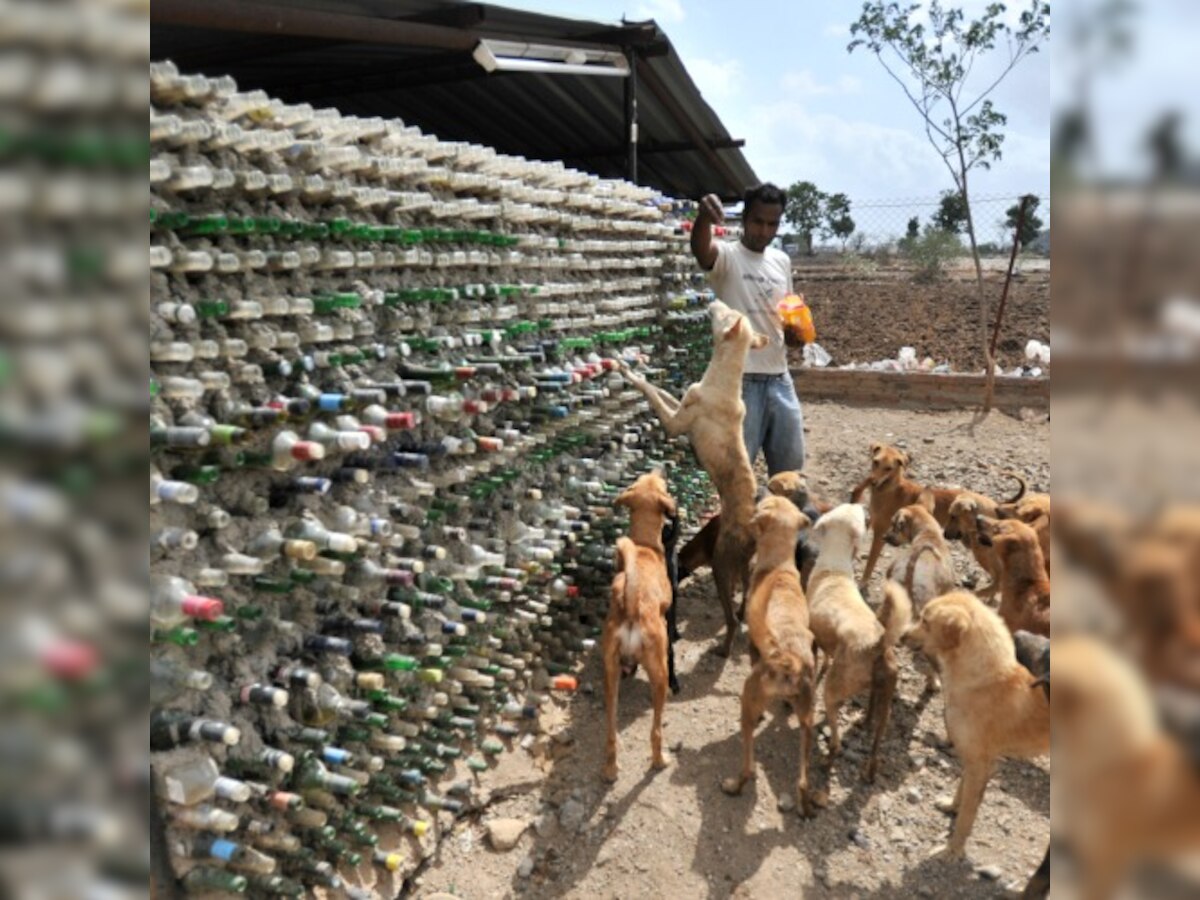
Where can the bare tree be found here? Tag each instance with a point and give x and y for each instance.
(931, 52)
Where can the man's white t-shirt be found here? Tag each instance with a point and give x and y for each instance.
(753, 283)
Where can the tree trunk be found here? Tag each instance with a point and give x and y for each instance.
(980, 297)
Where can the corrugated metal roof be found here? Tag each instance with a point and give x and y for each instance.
(411, 59)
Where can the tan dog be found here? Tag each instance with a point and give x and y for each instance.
(1125, 792)
(994, 705)
(636, 628)
(777, 615)
(890, 492)
(860, 646)
(926, 569)
(711, 415)
(1024, 585)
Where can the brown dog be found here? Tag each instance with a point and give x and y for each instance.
(1125, 792)
(711, 415)
(1033, 510)
(964, 511)
(636, 628)
(992, 707)
(926, 569)
(860, 646)
(890, 492)
(777, 615)
(1024, 585)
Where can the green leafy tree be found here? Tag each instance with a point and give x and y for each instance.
(1031, 224)
(805, 210)
(931, 52)
(837, 218)
(951, 214)
(914, 229)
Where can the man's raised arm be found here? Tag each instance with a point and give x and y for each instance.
(711, 213)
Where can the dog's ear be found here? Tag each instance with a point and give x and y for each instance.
(666, 503)
(875, 448)
(758, 522)
(759, 341)
(733, 330)
(805, 522)
(926, 499)
(906, 459)
(952, 626)
(625, 498)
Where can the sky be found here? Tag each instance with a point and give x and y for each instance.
(778, 75)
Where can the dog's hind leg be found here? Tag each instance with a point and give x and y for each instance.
(612, 684)
(879, 708)
(655, 660)
(804, 711)
(753, 706)
(725, 581)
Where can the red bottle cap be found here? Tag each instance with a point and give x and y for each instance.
(489, 444)
(206, 608)
(70, 660)
(474, 406)
(400, 420)
(306, 451)
(564, 683)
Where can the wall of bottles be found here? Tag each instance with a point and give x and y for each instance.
(387, 426)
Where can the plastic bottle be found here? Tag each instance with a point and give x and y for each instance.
(798, 327)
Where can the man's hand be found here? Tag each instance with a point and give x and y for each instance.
(711, 209)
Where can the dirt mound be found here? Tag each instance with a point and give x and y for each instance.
(871, 318)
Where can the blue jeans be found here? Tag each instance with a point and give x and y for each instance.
(774, 422)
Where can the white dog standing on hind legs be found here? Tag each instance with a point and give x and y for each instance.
(711, 414)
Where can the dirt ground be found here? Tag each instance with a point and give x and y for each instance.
(863, 317)
(675, 834)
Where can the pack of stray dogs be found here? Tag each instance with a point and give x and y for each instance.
(791, 558)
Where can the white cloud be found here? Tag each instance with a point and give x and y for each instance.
(836, 30)
(804, 83)
(717, 79)
(659, 10)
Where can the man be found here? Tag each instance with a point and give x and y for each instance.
(752, 278)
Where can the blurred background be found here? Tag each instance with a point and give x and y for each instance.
(73, 426)
(1126, 333)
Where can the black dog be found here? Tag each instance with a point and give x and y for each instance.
(1033, 652)
(670, 536)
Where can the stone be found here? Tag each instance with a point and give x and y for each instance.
(913, 795)
(546, 824)
(525, 869)
(860, 840)
(503, 834)
(989, 873)
(945, 803)
(572, 814)
(786, 803)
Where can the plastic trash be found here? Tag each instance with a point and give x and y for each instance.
(1037, 352)
(816, 355)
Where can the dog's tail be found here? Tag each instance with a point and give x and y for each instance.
(896, 612)
(1020, 491)
(626, 552)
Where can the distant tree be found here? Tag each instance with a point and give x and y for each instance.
(931, 52)
(837, 218)
(805, 210)
(951, 214)
(1031, 225)
(914, 228)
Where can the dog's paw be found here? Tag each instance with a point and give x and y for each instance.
(674, 685)
(947, 853)
(610, 773)
(661, 763)
(732, 786)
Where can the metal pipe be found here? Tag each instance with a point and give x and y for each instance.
(631, 120)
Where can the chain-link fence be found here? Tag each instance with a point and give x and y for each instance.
(884, 224)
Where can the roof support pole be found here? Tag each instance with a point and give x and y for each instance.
(631, 121)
